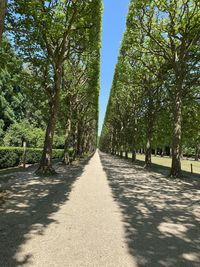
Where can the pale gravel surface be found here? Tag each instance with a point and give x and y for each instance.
(86, 230)
(161, 215)
(104, 212)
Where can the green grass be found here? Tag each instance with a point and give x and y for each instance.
(166, 161)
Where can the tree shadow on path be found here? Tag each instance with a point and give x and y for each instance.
(165, 170)
(29, 206)
(161, 216)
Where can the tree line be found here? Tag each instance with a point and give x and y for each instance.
(50, 62)
(154, 99)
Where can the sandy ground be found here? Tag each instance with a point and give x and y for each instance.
(84, 229)
(103, 212)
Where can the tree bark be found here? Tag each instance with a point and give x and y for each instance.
(170, 152)
(79, 136)
(3, 5)
(45, 166)
(176, 141)
(149, 133)
(134, 143)
(197, 152)
(75, 137)
(133, 155)
(148, 152)
(66, 158)
(126, 154)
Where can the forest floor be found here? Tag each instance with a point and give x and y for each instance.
(103, 212)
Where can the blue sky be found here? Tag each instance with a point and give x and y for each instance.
(114, 23)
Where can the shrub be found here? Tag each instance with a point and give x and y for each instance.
(23, 131)
(12, 156)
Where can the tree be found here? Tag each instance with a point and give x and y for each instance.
(172, 28)
(12, 78)
(47, 33)
(160, 50)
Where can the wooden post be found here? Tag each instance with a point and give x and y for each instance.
(191, 168)
(24, 155)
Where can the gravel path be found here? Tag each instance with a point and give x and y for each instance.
(86, 229)
(161, 216)
(104, 212)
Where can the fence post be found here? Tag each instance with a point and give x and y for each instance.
(191, 168)
(24, 155)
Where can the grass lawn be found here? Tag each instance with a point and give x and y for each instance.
(166, 161)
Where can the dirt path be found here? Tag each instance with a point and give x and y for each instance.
(86, 229)
(104, 212)
(161, 216)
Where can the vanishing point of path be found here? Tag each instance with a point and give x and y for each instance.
(104, 212)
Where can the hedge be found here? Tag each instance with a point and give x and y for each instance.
(12, 156)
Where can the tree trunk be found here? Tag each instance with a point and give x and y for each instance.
(197, 152)
(148, 153)
(133, 158)
(149, 133)
(3, 5)
(66, 158)
(75, 139)
(170, 152)
(176, 141)
(121, 154)
(126, 154)
(133, 155)
(46, 160)
(79, 136)
(163, 152)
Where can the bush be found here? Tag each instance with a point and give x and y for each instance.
(188, 151)
(12, 156)
(23, 131)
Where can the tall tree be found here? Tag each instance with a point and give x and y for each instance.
(161, 46)
(172, 28)
(48, 32)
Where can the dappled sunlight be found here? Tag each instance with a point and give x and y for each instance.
(161, 216)
(28, 209)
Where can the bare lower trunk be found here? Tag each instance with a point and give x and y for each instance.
(66, 158)
(121, 154)
(149, 136)
(170, 152)
(197, 152)
(163, 152)
(148, 153)
(45, 166)
(133, 155)
(176, 142)
(3, 4)
(75, 144)
(46, 161)
(133, 158)
(79, 136)
(126, 154)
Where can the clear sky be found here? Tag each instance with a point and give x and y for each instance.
(114, 23)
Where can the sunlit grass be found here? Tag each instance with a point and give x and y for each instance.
(166, 161)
